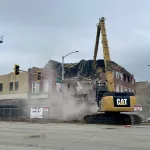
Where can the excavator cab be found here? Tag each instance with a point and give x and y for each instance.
(101, 88)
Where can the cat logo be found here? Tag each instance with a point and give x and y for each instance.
(121, 101)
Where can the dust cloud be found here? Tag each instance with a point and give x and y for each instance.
(65, 106)
(73, 108)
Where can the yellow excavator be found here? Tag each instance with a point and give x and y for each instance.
(112, 105)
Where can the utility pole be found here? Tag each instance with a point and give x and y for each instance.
(63, 68)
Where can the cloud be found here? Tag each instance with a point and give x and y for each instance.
(48, 29)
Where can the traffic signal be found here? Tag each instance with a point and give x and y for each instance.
(38, 75)
(16, 69)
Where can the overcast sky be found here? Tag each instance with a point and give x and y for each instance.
(47, 29)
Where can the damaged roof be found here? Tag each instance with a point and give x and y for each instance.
(82, 68)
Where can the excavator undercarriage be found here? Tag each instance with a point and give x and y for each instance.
(113, 118)
(108, 101)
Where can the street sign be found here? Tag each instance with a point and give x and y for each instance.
(137, 108)
(58, 80)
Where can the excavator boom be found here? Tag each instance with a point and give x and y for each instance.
(108, 69)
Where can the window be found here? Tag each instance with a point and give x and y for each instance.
(45, 86)
(1, 87)
(16, 85)
(128, 78)
(11, 86)
(133, 90)
(35, 87)
(117, 88)
(124, 77)
(129, 90)
(125, 89)
(117, 75)
(121, 76)
(121, 88)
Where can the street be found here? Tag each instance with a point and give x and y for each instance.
(27, 136)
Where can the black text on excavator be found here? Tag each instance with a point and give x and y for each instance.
(114, 107)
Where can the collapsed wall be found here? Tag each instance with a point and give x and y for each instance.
(79, 85)
(80, 78)
(83, 69)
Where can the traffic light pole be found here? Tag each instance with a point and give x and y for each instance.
(36, 73)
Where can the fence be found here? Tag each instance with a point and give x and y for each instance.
(23, 114)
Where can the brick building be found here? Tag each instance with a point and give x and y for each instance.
(48, 80)
(28, 84)
(123, 80)
(44, 93)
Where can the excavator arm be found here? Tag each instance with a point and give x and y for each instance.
(108, 69)
(96, 46)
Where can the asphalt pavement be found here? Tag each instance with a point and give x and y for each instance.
(64, 136)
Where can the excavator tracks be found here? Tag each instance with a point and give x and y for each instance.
(113, 119)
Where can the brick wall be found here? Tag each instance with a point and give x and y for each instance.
(123, 80)
(48, 79)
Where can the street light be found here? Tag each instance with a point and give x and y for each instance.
(63, 63)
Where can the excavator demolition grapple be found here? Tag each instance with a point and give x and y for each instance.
(114, 107)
